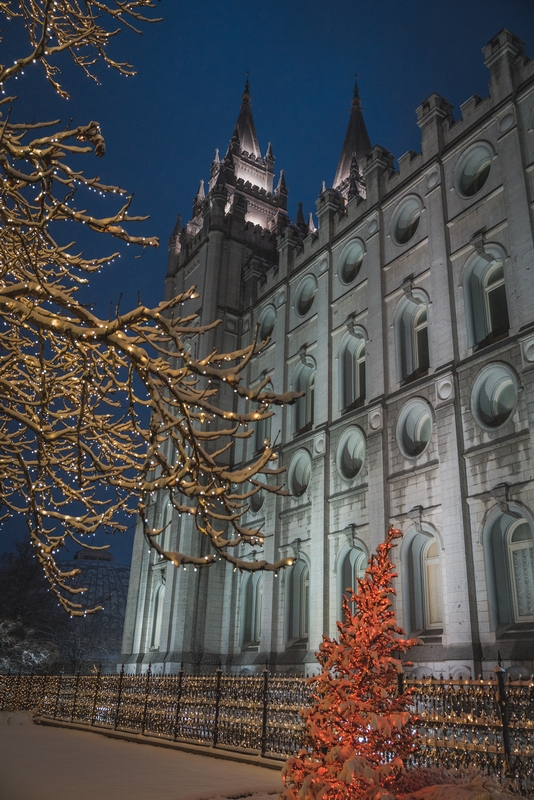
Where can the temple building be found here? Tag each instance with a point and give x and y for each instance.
(405, 314)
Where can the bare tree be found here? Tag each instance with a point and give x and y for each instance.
(73, 386)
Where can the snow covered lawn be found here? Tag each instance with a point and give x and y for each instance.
(42, 763)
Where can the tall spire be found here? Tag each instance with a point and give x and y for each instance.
(356, 142)
(246, 129)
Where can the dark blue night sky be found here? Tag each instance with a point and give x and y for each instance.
(163, 125)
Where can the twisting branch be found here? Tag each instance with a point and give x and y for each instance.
(75, 450)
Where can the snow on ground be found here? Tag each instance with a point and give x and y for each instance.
(38, 762)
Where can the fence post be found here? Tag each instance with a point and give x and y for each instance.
(178, 701)
(95, 699)
(119, 693)
(75, 694)
(147, 692)
(265, 710)
(504, 712)
(58, 692)
(218, 673)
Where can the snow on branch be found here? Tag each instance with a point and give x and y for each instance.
(76, 452)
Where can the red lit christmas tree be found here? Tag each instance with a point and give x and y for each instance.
(359, 730)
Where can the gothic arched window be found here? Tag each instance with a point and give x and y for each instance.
(511, 570)
(251, 600)
(423, 595)
(304, 381)
(413, 355)
(156, 616)
(298, 612)
(352, 567)
(485, 296)
(352, 372)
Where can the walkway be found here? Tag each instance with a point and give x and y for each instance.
(38, 762)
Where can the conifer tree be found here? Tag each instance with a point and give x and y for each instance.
(359, 730)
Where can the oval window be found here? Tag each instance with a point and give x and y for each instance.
(299, 473)
(350, 453)
(414, 428)
(473, 170)
(494, 396)
(306, 295)
(406, 220)
(266, 323)
(351, 261)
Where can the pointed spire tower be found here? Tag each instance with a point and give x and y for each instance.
(244, 171)
(355, 147)
(245, 128)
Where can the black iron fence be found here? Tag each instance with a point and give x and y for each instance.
(488, 724)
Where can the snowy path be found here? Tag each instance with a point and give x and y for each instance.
(43, 763)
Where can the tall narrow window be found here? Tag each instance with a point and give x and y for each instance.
(509, 570)
(352, 568)
(251, 610)
(521, 562)
(495, 301)
(422, 587)
(304, 407)
(485, 297)
(156, 616)
(420, 341)
(298, 612)
(432, 586)
(411, 324)
(352, 377)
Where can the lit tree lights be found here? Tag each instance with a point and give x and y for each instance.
(75, 452)
(359, 728)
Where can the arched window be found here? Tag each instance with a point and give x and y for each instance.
(263, 427)
(251, 599)
(521, 557)
(352, 372)
(413, 354)
(485, 296)
(422, 588)
(510, 570)
(298, 611)
(156, 616)
(352, 567)
(304, 381)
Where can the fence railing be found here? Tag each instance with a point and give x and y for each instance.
(488, 724)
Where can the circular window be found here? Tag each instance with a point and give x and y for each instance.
(256, 500)
(306, 295)
(494, 396)
(350, 453)
(406, 220)
(414, 428)
(473, 170)
(299, 473)
(351, 261)
(266, 323)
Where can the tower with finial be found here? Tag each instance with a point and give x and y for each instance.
(349, 179)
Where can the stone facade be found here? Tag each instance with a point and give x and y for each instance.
(408, 317)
